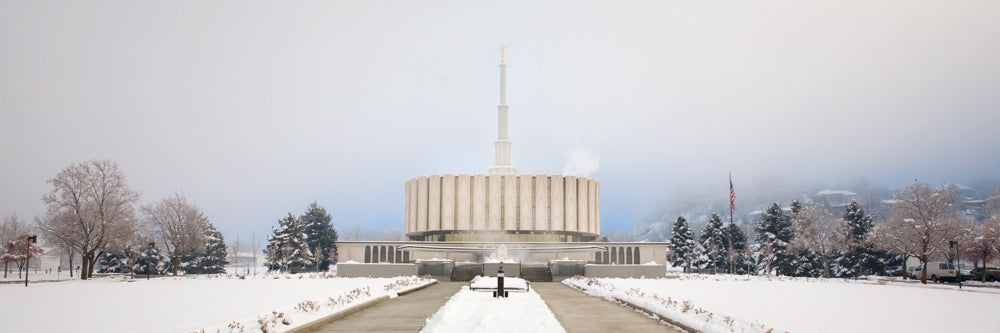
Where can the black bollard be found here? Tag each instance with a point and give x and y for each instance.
(500, 292)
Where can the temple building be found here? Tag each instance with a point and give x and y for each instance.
(545, 225)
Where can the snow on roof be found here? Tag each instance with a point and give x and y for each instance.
(891, 201)
(959, 186)
(836, 192)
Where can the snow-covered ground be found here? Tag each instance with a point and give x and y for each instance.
(722, 303)
(185, 304)
(478, 311)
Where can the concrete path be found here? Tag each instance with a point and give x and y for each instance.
(405, 313)
(579, 312)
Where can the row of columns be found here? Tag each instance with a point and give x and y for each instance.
(510, 202)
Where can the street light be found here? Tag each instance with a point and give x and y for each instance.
(27, 266)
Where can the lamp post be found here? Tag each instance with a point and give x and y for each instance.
(27, 265)
(150, 253)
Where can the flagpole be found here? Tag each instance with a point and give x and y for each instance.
(729, 237)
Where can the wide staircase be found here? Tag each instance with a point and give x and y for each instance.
(536, 272)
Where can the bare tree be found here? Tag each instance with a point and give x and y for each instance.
(923, 222)
(982, 242)
(90, 207)
(178, 225)
(253, 247)
(10, 230)
(235, 247)
(816, 229)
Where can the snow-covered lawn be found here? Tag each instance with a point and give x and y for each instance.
(478, 311)
(184, 304)
(722, 303)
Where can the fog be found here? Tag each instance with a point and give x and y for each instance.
(256, 110)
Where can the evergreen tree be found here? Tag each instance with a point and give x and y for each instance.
(321, 236)
(713, 242)
(859, 256)
(213, 259)
(151, 262)
(288, 248)
(682, 244)
(774, 233)
(807, 263)
(108, 262)
(737, 253)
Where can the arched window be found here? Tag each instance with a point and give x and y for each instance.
(392, 255)
(628, 256)
(368, 254)
(635, 256)
(381, 254)
(614, 255)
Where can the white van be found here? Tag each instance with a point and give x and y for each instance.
(936, 271)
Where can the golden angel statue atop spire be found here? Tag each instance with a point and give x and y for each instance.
(503, 50)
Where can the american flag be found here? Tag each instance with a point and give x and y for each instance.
(732, 195)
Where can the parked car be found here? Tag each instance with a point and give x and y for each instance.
(936, 271)
(992, 274)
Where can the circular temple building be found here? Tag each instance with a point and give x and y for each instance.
(503, 208)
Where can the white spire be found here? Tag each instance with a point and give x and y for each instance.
(502, 145)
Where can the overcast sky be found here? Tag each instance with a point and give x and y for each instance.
(254, 110)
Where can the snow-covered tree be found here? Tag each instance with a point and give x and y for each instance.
(714, 244)
(179, 227)
(774, 234)
(816, 240)
(922, 223)
(213, 259)
(10, 230)
(89, 208)
(21, 251)
(736, 239)
(110, 262)
(288, 247)
(321, 236)
(151, 262)
(859, 254)
(982, 242)
(682, 244)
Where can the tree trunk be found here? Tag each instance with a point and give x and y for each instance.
(83, 271)
(91, 262)
(826, 267)
(176, 262)
(984, 268)
(923, 272)
(905, 274)
(5, 269)
(71, 264)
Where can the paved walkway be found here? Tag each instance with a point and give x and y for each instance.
(405, 313)
(579, 312)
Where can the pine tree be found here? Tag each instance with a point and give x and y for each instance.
(108, 262)
(737, 253)
(321, 235)
(288, 249)
(713, 242)
(682, 244)
(213, 259)
(774, 233)
(859, 256)
(151, 262)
